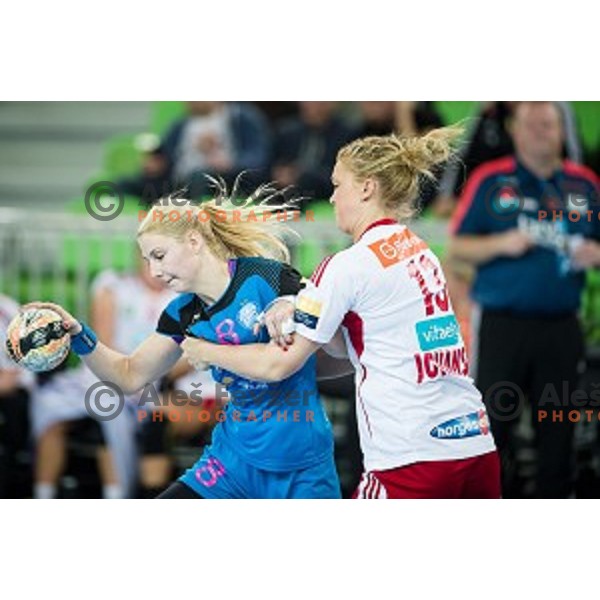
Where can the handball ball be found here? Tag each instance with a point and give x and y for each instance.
(37, 339)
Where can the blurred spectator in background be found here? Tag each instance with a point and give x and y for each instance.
(125, 308)
(488, 138)
(528, 284)
(376, 118)
(276, 111)
(416, 118)
(216, 138)
(15, 387)
(306, 147)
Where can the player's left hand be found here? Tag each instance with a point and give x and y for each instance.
(279, 321)
(72, 325)
(193, 352)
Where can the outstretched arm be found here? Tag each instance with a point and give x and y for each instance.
(261, 362)
(151, 359)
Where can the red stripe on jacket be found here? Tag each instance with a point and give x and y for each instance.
(500, 166)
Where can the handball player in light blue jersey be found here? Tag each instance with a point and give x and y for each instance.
(273, 440)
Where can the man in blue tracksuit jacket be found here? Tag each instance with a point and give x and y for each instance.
(529, 224)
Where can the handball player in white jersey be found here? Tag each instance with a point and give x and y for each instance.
(423, 427)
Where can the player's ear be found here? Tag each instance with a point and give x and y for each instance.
(369, 187)
(195, 241)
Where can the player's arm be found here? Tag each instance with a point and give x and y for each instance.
(181, 369)
(331, 358)
(279, 321)
(151, 360)
(261, 362)
(269, 362)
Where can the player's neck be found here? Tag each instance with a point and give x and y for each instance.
(213, 280)
(365, 222)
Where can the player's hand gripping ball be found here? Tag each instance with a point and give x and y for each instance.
(37, 339)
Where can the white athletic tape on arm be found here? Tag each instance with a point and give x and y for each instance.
(260, 318)
(288, 326)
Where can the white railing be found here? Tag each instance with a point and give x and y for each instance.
(50, 255)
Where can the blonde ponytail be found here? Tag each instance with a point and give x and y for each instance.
(399, 163)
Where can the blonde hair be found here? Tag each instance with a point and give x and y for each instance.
(399, 164)
(231, 228)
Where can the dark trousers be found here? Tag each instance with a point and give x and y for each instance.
(179, 491)
(15, 478)
(535, 358)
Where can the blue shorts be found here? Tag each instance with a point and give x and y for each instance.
(221, 473)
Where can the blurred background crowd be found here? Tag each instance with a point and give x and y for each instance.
(51, 154)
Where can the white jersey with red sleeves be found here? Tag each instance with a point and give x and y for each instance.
(414, 399)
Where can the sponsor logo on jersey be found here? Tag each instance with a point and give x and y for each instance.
(307, 312)
(438, 333)
(397, 247)
(248, 315)
(470, 425)
(439, 363)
